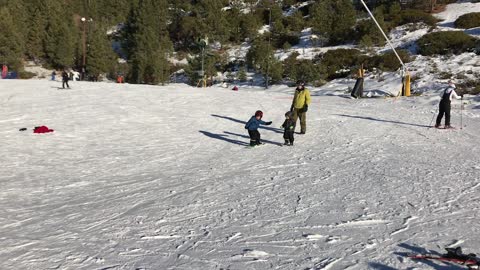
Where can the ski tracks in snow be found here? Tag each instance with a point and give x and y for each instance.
(130, 181)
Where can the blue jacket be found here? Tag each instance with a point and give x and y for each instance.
(253, 123)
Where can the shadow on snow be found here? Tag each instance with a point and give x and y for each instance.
(381, 120)
(277, 130)
(222, 137)
(247, 137)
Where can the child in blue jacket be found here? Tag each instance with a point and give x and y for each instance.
(252, 127)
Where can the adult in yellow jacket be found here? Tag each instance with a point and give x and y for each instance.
(300, 103)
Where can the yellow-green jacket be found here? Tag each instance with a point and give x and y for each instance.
(301, 98)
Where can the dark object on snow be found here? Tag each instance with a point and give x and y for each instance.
(357, 90)
(454, 255)
(235, 88)
(42, 129)
(22, 129)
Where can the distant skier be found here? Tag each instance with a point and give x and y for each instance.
(252, 127)
(53, 75)
(289, 128)
(4, 71)
(299, 107)
(445, 104)
(65, 78)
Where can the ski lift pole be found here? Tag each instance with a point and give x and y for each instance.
(404, 68)
(203, 44)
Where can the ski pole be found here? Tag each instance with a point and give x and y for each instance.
(433, 117)
(461, 113)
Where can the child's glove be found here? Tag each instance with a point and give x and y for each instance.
(268, 123)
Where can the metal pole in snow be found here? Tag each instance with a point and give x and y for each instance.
(384, 35)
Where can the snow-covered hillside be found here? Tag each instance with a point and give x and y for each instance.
(423, 69)
(145, 177)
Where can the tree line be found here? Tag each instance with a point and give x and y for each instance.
(59, 34)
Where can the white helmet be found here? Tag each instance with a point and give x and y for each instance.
(451, 83)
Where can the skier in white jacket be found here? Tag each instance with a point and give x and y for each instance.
(445, 104)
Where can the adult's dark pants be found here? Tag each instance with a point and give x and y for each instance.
(254, 137)
(65, 82)
(288, 136)
(444, 108)
(299, 113)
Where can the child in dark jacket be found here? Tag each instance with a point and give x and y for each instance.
(252, 127)
(289, 128)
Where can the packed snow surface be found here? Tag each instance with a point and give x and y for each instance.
(152, 177)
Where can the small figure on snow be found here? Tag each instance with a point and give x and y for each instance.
(53, 75)
(300, 103)
(289, 128)
(445, 104)
(65, 78)
(252, 127)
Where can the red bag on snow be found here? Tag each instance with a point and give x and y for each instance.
(42, 129)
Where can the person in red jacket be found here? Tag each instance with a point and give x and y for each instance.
(4, 71)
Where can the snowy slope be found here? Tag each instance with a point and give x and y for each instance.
(454, 11)
(428, 73)
(144, 177)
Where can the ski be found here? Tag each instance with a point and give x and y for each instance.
(444, 259)
(434, 127)
(454, 255)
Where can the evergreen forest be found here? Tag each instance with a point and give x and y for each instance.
(139, 38)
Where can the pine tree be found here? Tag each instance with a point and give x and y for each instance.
(249, 24)
(100, 56)
(242, 74)
(295, 22)
(17, 8)
(261, 58)
(36, 35)
(334, 19)
(10, 41)
(370, 34)
(61, 35)
(149, 44)
(217, 25)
